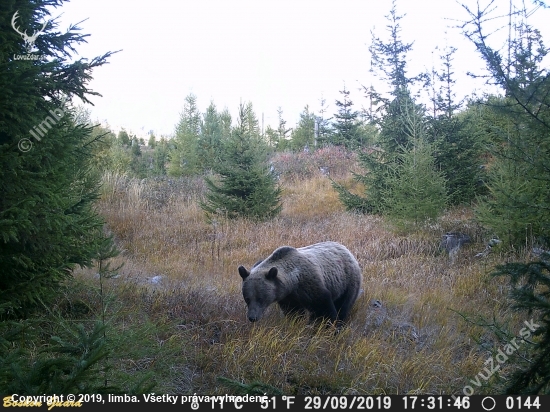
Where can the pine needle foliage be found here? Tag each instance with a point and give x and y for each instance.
(392, 117)
(415, 191)
(47, 221)
(519, 177)
(184, 158)
(530, 290)
(459, 137)
(459, 147)
(375, 166)
(244, 186)
(303, 135)
(519, 180)
(69, 363)
(399, 173)
(346, 125)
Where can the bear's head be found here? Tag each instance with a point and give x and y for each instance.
(259, 290)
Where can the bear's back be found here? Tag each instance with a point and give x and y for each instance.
(335, 262)
(329, 253)
(331, 261)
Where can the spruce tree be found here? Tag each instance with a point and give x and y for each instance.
(244, 186)
(210, 139)
(346, 125)
(48, 224)
(283, 133)
(124, 138)
(519, 178)
(225, 124)
(520, 181)
(137, 164)
(303, 135)
(271, 136)
(325, 132)
(458, 146)
(152, 142)
(530, 283)
(184, 158)
(391, 117)
(415, 191)
(160, 157)
(389, 59)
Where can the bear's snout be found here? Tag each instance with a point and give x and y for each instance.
(255, 313)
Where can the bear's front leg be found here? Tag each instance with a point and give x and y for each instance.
(290, 308)
(323, 308)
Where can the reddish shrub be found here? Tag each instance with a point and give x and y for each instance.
(332, 161)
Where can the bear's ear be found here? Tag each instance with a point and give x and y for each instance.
(243, 272)
(272, 274)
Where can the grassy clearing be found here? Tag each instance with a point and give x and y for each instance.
(176, 310)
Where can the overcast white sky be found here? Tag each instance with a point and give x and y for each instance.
(274, 53)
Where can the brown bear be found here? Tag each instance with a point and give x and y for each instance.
(323, 279)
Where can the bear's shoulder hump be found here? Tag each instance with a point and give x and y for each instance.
(282, 252)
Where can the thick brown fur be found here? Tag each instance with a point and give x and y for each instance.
(323, 279)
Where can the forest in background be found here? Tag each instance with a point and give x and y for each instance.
(388, 182)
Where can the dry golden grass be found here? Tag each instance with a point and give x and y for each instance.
(181, 272)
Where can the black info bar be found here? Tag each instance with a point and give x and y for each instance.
(249, 403)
